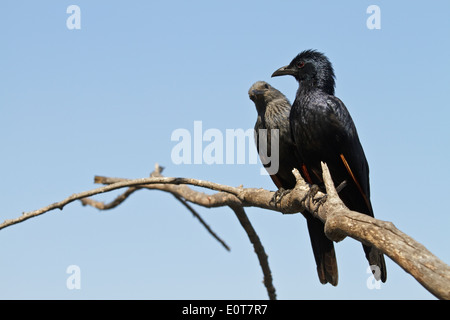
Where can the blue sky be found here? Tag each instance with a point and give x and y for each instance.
(105, 99)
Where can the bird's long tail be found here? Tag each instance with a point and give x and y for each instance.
(324, 254)
(376, 262)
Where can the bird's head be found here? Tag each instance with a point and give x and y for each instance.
(261, 91)
(265, 96)
(311, 68)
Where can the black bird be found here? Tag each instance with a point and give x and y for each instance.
(323, 130)
(273, 114)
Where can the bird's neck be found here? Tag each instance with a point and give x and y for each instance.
(322, 79)
(260, 108)
(316, 84)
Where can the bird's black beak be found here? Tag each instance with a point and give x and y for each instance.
(257, 92)
(283, 71)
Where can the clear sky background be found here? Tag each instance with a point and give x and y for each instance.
(105, 99)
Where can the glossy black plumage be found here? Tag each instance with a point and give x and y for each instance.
(273, 113)
(323, 130)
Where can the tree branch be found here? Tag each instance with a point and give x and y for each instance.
(413, 257)
(257, 245)
(222, 199)
(339, 221)
(122, 197)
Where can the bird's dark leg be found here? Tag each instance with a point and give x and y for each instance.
(278, 195)
(341, 186)
(315, 188)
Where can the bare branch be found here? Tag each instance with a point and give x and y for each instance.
(339, 221)
(257, 245)
(118, 185)
(207, 227)
(409, 254)
(156, 173)
(180, 192)
(107, 206)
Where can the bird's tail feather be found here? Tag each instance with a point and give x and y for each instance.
(323, 250)
(376, 262)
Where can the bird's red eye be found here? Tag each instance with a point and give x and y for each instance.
(300, 64)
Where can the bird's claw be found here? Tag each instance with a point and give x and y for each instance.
(321, 201)
(315, 203)
(278, 195)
